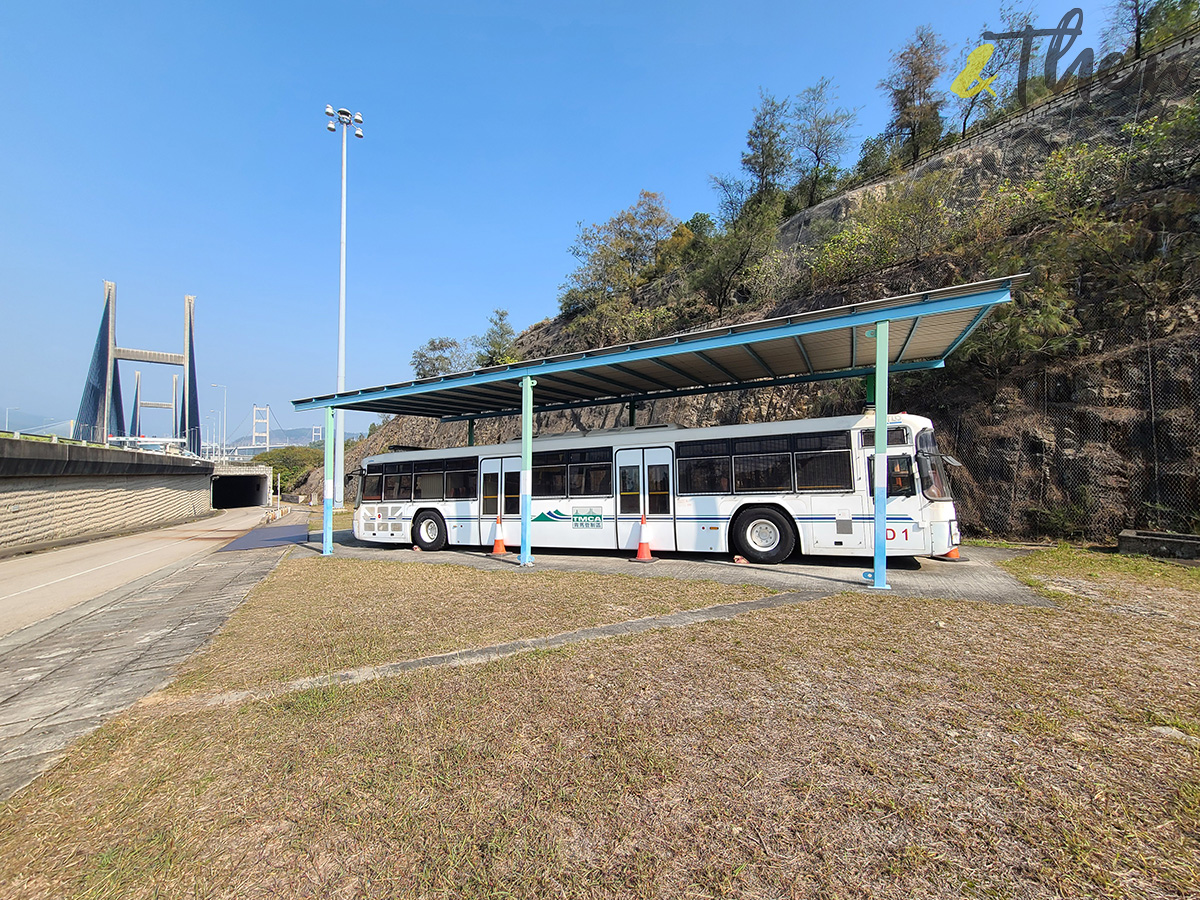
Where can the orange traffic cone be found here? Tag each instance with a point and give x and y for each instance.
(643, 554)
(498, 548)
(952, 556)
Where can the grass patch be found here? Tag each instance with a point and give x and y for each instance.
(796, 751)
(853, 746)
(315, 616)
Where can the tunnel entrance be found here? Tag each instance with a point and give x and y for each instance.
(233, 491)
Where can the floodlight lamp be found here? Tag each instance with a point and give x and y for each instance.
(344, 115)
(328, 110)
(329, 126)
(358, 118)
(358, 132)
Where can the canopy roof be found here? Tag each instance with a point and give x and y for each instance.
(815, 346)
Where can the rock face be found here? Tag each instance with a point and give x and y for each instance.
(1082, 448)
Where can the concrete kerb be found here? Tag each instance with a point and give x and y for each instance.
(480, 655)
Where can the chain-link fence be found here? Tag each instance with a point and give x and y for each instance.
(1088, 446)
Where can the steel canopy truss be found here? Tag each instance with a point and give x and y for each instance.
(915, 332)
(817, 346)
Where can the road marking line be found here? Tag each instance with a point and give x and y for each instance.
(107, 564)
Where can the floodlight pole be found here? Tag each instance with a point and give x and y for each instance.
(347, 120)
(339, 447)
(527, 383)
(327, 514)
(879, 575)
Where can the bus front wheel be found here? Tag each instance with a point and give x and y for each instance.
(763, 535)
(429, 531)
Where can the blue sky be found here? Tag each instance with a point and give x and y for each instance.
(180, 148)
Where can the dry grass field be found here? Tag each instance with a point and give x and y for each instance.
(855, 746)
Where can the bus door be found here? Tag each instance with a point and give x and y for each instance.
(489, 501)
(644, 479)
(510, 500)
(906, 532)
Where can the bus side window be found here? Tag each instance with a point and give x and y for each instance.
(512, 493)
(461, 485)
(631, 490)
(428, 486)
(491, 493)
(900, 481)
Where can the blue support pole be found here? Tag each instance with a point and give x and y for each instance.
(527, 383)
(327, 516)
(879, 575)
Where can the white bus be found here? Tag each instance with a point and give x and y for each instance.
(763, 491)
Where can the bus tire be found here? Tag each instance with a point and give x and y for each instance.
(763, 535)
(429, 530)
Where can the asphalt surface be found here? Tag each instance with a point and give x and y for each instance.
(38, 585)
(65, 674)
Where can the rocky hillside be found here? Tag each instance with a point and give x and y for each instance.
(1075, 412)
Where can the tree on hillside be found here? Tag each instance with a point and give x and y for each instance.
(1001, 70)
(916, 105)
(821, 134)
(614, 255)
(440, 356)
(1168, 18)
(768, 157)
(1126, 26)
(498, 345)
(745, 238)
(876, 156)
(291, 463)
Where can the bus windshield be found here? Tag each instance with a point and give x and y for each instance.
(934, 482)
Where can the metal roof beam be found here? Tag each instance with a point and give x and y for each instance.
(907, 339)
(804, 353)
(966, 333)
(633, 374)
(762, 363)
(611, 382)
(716, 365)
(703, 389)
(678, 371)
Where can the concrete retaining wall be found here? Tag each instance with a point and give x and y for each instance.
(56, 492)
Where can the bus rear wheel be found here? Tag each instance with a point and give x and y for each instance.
(429, 531)
(763, 535)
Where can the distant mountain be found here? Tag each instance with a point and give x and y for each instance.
(280, 437)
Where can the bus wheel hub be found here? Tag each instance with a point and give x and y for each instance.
(764, 535)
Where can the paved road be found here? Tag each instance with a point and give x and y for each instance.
(64, 674)
(36, 586)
